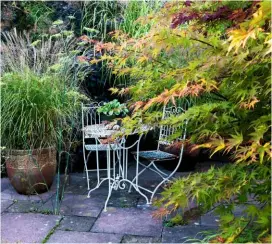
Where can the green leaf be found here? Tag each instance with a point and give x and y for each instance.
(264, 221)
(58, 35)
(67, 33)
(35, 43)
(225, 219)
(252, 210)
(58, 22)
(71, 17)
(91, 30)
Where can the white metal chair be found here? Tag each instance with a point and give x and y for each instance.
(91, 117)
(159, 154)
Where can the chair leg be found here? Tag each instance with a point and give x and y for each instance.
(156, 170)
(157, 187)
(86, 168)
(164, 180)
(97, 168)
(159, 171)
(109, 180)
(145, 168)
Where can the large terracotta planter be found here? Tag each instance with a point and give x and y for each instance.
(31, 173)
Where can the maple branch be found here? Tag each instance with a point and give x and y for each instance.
(157, 61)
(194, 39)
(153, 59)
(219, 95)
(250, 220)
(248, 223)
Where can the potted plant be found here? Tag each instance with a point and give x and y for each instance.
(36, 113)
(112, 109)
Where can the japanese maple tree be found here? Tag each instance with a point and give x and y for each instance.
(217, 55)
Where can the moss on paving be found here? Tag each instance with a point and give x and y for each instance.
(51, 232)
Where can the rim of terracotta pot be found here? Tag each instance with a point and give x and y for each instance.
(16, 152)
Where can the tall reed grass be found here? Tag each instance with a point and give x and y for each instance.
(34, 108)
(19, 52)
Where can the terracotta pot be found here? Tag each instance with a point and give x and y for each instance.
(31, 173)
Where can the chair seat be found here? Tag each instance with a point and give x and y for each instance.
(155, 155)
(100, 147)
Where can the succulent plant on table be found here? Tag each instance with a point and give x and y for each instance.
(113, 107)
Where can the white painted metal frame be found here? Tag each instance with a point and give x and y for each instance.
(90, 116)
(119, 177)
(165, 132)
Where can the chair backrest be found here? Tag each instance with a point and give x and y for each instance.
(166, 131)
(90, 116)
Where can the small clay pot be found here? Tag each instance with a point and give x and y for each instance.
(31, 172)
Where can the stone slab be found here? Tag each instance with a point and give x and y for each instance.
(147, 174)
(26, 228)
(182, 174)
(76, 223)
(121, 199)
(48, 207)
(140, 239)
(78, 179)
(24, 207)
(76, 189)
(5, 184)
(11, 194)
(240, 210)
(60, 236)
(103, 189)
(74, 184)
(209, 219)
(190, 216)
(5, 204)
(128, 221)
(212, 219)
(182, 234)
(78, 205)
(143, 205)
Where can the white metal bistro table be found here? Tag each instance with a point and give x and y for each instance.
(118, 178)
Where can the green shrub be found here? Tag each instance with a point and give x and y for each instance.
(35, 108)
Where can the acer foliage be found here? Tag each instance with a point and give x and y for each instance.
(217, 55)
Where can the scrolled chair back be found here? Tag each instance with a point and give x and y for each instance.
(90, 116)
(168, 131)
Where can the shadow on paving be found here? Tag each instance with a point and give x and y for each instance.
(127, 220)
